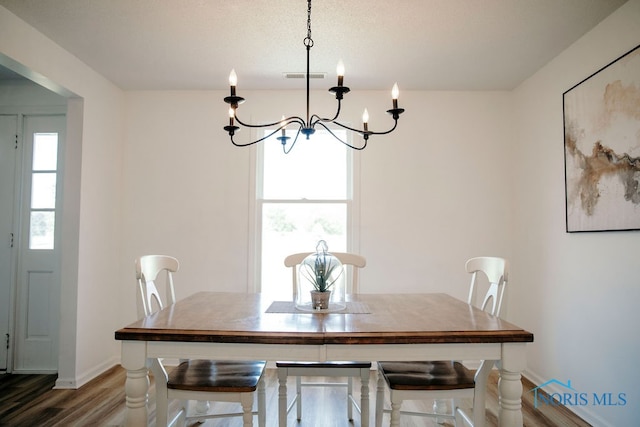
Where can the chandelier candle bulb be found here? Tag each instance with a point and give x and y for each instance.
(394, 94)
(231, 114)
(233, 81)
(340, 72)
(365, 120)
(283, 124)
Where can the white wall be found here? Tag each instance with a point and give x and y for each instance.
(433, 193)
(185, 191)
(91, 239)
(578, 293)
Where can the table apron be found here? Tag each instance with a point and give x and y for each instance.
(325, 352)
(408, 352)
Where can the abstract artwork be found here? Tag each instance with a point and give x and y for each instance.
(602, 148)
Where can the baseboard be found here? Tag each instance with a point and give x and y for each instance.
(32, 372)
(80, 380)
(581, 411)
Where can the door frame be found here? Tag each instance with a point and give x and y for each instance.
(13, 252)
(19, 194)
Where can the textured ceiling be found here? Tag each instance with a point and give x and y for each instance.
(421, 44)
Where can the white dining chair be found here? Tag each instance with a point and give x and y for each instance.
(348, 369)
(195, 380)
(452, 380)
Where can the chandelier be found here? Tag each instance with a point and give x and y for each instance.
(307, 126)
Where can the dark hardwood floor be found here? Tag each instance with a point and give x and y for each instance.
(29, 400)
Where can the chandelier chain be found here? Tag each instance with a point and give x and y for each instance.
(309, 19)
(308, 41)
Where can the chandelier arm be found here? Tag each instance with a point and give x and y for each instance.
(294, 119)
(289, 120)
(344, 142)
(237, 144)
(316, 118)
(361, 132)
(256, 141)
(284, 147)
(367, 132)
(395, 124)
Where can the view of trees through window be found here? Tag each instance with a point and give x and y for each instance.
(303, 197)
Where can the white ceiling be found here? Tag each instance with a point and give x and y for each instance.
(421, 44)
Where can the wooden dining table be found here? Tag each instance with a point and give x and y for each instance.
(376, 327)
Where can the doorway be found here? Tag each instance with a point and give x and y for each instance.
(32, 142)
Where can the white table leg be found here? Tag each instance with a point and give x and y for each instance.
(364, 397)
(137, 383)
(282, 397)
(379, 400)
(136, 388)
(510, 384)
(395, 412)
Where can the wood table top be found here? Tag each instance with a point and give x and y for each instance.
(390, 319)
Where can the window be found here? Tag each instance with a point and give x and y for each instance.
(302, 197)
(43, 191)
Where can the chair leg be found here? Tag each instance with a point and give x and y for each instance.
(299, 398)
(282, 397)
(379, 400)
(262, 410)
(479, 395)
(349, 397)
(364, 397)
(395, 410)
(440, 407)
(457, 413)
(246, 400)
(181, 418)
(479, 410)
(162, 407)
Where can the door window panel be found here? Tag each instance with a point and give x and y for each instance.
(43, 191)
(41, 230)
(45, 151)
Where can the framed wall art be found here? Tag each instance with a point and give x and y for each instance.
(602, 148)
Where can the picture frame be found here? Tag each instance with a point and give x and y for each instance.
(601, 117)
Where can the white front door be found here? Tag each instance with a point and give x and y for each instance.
(38, 278)
(8, 155)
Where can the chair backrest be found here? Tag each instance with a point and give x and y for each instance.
(356, 262)
(496, 272)
(148, 268)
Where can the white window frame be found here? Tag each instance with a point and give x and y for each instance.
(256, 203)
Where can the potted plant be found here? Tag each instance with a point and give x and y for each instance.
(322, 270)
